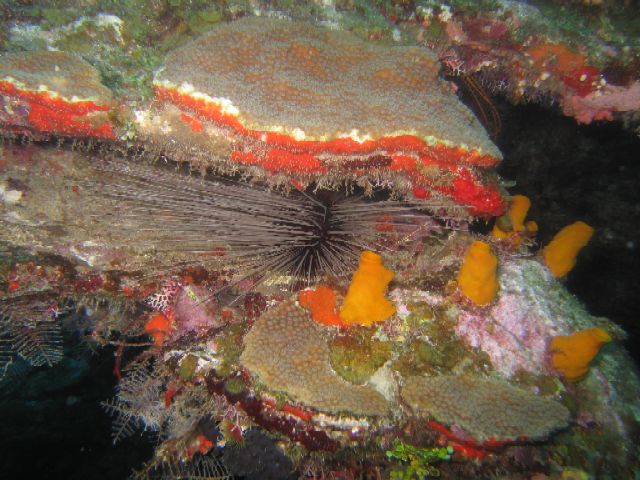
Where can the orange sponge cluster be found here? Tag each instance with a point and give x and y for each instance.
(561, 253)
(477, 278)
(54, 92)
(365, 303)
(572, 354)
(516, 226)
(291, 98)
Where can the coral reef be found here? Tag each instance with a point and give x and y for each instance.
(485, 408)
(289, 354)
(190, 186)
(266, 103)
(54, 92)
(516, 330)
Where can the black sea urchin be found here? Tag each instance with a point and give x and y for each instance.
(263, 232)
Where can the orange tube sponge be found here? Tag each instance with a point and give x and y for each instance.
(515, 226)
(517, 212)
(322, 303)
(560, 255)
(365, 303)
(572, 354)
(477, 277)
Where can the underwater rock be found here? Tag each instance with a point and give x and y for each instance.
(531, 308)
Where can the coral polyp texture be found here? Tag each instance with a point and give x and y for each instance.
(289, 354)
(486, 408)
(289, 98)
(53, 93)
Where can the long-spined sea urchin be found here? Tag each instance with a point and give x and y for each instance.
(264, 232)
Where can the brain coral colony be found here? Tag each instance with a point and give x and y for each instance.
(272, 233)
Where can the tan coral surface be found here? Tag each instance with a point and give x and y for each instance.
(289, 353)
(59, 72)
(295, 77)
(486, 408)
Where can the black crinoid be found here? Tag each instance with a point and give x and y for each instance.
(297, 235)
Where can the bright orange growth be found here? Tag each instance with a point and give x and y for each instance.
(531, 227)
(517, 213)
(194, 123)
(557, 56)
(560, 255)
(322, 303)
(278, 152)
(477, 277)
(365, 303)
(50, 114)
(572, 354)
(158, 327)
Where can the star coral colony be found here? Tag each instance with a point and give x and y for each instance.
(294, 102)
(44, 93)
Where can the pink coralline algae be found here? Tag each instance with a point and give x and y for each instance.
(194, 310)
(191, 308)
(515, 332)
(513, 339)
(601, 105)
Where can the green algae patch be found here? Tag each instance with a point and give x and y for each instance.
(235, 386)
(356, 358)
(202, 21)
(420, 357)
(188, 367)
(431, 347)
(230, 348)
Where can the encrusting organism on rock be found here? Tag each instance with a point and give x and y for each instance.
(512, 225)
(571, 354)
(477, 277)
(365, 303)
(159, 326)
(321, 301)
(561, 253)
(54, 93)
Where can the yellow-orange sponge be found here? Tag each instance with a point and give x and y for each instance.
(572, 354)
(515, 218)
(365, 303)
(560, 255)
(477, 277)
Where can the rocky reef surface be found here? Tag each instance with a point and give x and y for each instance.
(290, 236)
